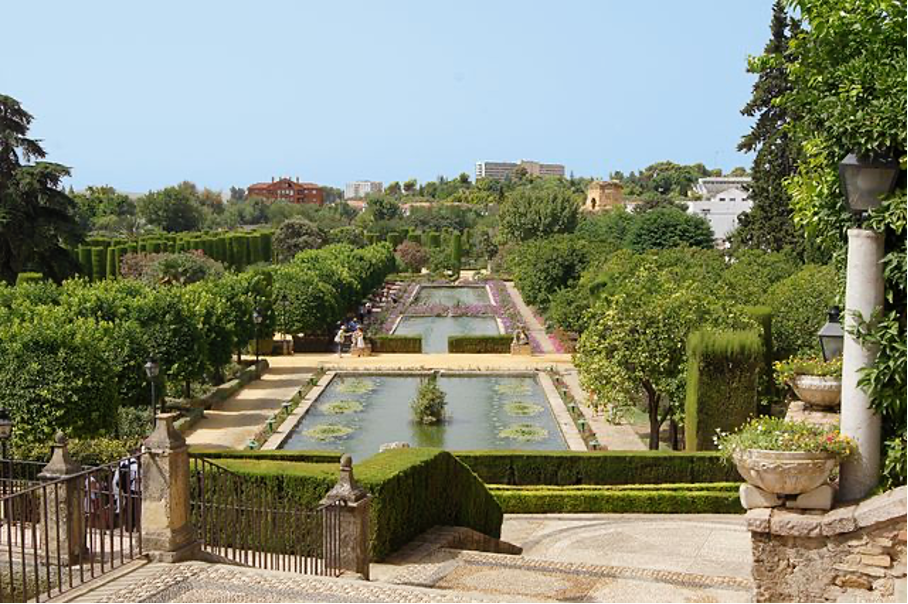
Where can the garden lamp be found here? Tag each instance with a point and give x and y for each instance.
(832, 337)
(865, 178)
(152, 368)
(257, 319)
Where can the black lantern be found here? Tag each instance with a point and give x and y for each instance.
(865, 178)
(6, 425)
(257, 319)
(831, 336)
(152, 368)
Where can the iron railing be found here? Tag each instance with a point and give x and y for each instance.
(242, 520)
(35, 562)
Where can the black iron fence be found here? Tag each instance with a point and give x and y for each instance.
(57, 534)
(239, 519)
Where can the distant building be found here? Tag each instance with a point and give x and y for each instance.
(286, 189)
(722, 215)
(360, 188)
(723, 188)
(499, 170)
(604, 194)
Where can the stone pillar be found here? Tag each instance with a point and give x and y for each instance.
(65, 505)
(350, 503)
(167, 531)
(864, 295)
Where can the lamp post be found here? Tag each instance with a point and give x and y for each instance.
(152, 368)
(285, 304)
(257, 319)
(831, 335)
(6, 431)
(863, 180)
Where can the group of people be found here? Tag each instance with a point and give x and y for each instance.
(350, 333)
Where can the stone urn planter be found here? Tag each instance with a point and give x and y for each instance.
(818, 390)
(785, 472)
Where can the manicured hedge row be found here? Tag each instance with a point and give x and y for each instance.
(479, 344)
(721, 498)
(723, 368)
(413, 490)
(319, 457)
(563, 468)
(411, 344)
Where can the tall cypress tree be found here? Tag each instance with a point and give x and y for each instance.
(768, 225)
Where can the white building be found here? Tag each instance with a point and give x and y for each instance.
(722, 215)
(360, 188)
(499, 170)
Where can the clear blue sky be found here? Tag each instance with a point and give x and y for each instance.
(229, 93)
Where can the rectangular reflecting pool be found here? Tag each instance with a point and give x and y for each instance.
(435, 330)
(452, 295)
(357, 414)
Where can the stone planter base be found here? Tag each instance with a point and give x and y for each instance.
(521, 349)
(820, 498)
(798, 411)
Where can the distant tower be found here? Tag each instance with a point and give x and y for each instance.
(603, 194)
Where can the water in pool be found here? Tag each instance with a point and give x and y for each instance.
(357, 414)
(452, 296)
(435, 330)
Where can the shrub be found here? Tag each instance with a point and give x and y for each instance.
(392, 344)
(412, 255)
(567, 309)
(57, 373)
(296, 235)
(714, 498)
(349, 235)
(722, 380)
(799, 304)
(27, 277)
(669, 227)
(542, 267)
(429, 405)
(171, 269)
(413, 490)
(479, 344)
(751, 273)
(566, 468)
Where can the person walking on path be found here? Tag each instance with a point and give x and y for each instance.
(339, 340)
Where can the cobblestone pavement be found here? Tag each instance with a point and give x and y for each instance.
(545, 580)
(203, 582)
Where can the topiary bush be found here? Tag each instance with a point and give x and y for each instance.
(479, 344)
(723, 369)
(296, 235)
(429, 405)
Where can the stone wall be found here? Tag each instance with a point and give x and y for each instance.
(854, 553)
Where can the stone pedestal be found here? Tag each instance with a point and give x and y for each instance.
(65, 506)
(798, 411)
(348, 504)
(167, 531)
(521, 349)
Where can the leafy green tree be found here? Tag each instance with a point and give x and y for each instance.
(538, 211)
(410, 186)
(848, 92)
(102, 202)
(751, 273)
(768, 225)
(607, 231)
(347, 234)
(635, 344)
(541, 267)
(37, 217)
(393, 188)
(297, 235)
(663, 180)
(381, 208)
(799, 304)
(669, 227)
(172, 209)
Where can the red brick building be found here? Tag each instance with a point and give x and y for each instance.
(288, 190)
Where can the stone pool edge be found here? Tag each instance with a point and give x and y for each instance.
(563, 419)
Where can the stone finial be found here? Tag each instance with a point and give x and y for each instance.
(61, 463)
(346, 489)
(165, 437)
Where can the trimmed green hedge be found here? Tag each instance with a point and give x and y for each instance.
(565, 468)
(396, 344)
(480, 344)
(713, 498)
(413, 489)
(723, 369)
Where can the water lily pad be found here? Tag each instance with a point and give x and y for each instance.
(523, 409)
(512, 388)
(524, 432)
(327, 432)
(342, 407)
(356, 386)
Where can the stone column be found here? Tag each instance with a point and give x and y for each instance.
(64, 506)
(167, 532)
(350, 503)
(864, 295)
